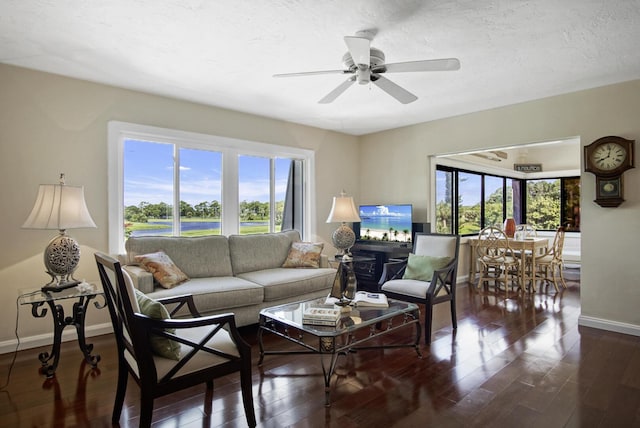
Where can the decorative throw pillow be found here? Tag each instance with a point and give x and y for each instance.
(422, 267)
(164, 271)
(162, 346)
(304, 254)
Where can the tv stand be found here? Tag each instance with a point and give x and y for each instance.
(368, 274)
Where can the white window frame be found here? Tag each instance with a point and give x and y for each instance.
(230, 148)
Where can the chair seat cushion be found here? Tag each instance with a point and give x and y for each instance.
(408, 287)
(545, 259)
(221, 341)
(506, 260)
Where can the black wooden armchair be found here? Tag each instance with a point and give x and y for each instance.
(440, 252)
(209, 347)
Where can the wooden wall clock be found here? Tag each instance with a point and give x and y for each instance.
(608, 158)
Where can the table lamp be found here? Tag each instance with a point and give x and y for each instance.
(60, 207)
(343, 211)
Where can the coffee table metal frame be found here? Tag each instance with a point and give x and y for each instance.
(37, 299)
(357, 326)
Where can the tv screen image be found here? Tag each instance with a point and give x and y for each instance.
(386, 222)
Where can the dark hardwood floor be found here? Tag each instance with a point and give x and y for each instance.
(518, 362)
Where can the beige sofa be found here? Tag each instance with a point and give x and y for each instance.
(240, 273)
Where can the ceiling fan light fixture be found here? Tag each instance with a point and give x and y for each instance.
(363, 75)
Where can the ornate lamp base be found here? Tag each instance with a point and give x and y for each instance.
(343, 239)
(61, 258)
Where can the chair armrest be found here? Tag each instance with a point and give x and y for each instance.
(142, 280)
(180, 301)
(152, 323)
(392, 270)
(167, 328)
(443, 276)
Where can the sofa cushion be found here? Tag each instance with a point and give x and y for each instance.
(162, 268)
(282, 283)
(197, 257)
(261, 251)
(304, 255)
(215, 293)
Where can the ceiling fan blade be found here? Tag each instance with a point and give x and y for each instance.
(312, 73)
(359, 48)
(397, 92)
(444, 64)
(331, 96)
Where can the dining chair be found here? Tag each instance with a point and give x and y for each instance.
(525, 230)
(498, 262)
(428, 276)
(194, 350)
(549, 264)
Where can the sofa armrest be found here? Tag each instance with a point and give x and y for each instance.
(324, 261)
(142, 280)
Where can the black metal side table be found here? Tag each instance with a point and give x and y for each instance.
(82, 297)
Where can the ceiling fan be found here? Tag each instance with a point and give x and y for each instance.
(365, 64)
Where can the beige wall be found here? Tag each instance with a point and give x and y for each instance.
(51, 124)
(610, 267)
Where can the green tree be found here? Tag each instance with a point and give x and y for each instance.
(202, 209)
(186, 210)
(215, 209)
(543, 204)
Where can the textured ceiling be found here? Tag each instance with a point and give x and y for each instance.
(224, 52)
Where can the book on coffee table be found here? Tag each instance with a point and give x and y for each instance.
(365, 299)
(321, 316)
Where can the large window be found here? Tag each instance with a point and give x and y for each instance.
(543, 203)
(483, 200)
(167, 182)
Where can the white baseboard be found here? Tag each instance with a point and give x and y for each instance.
(604, 324)
(47, 339)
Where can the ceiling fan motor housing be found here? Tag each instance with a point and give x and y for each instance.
(363, 71)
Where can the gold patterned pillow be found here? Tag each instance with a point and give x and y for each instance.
(304, 255)
(164, 271)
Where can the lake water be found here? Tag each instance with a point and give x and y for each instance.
(190, 226)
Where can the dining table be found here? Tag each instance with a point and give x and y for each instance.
(531, 245)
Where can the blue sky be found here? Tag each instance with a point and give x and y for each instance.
(470, 187)
(148, 172)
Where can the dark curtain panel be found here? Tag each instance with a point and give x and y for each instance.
(292, 217)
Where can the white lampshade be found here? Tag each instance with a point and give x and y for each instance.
(59, 207)
(343, 210)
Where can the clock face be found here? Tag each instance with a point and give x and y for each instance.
(608, 156)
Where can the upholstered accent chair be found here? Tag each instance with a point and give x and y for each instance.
(196, 350)
(428, 276)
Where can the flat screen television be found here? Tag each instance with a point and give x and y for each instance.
(387, 223)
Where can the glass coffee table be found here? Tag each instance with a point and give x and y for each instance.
(355, 327)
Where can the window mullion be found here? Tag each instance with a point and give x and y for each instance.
(272, 195)
(230, 190)
(176, 191)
